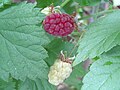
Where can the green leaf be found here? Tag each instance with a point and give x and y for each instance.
(101, 36)
(55, 47)
(76, 76)
(43, 84)
(21, 43)
(38, 84)
(45, 3)
(2, 2)
(27, 85)
(104, 76)
(89, 2)
(71, 5)
(10, 85)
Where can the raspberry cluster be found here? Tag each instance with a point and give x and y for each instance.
(59, 24)
(59, 72)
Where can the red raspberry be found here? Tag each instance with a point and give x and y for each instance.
(59, 24)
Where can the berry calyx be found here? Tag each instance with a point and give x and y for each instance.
(59, 24)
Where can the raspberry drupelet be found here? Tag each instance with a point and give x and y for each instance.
(59, 24)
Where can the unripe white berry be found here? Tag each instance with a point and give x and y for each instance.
(116, 3)
(59, 71)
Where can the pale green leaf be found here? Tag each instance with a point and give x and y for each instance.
(21, 41)
(101, 36)
(104, 73)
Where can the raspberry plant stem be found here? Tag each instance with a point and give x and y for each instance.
(76, 44)
(96, 14)
(64, 3)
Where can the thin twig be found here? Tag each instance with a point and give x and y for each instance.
(64, 3)
(97, 14)
(76, 44)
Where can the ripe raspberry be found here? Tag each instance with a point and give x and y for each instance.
(59, 72)
(59, 24)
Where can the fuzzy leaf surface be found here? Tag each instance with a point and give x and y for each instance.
(100, 37)
(104, 73)
(21, 43)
